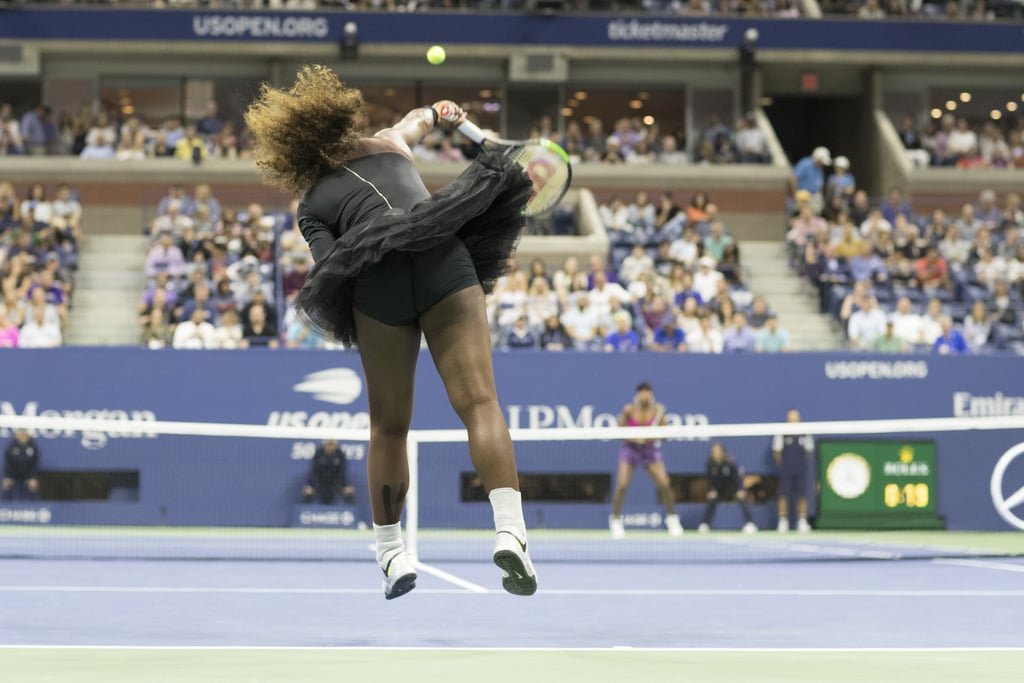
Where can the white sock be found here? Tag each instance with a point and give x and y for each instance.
(508, 511)
(389, 539)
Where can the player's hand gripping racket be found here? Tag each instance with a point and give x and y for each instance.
(546, 164)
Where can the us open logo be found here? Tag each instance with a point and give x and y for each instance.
(1010, 506)
(341, 386)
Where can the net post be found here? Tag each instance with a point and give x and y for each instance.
(412, 498)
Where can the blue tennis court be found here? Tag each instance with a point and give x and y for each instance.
(835, 596)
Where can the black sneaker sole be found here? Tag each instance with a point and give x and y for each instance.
(518, 582)
(401, 587)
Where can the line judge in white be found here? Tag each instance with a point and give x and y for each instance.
(793, 456)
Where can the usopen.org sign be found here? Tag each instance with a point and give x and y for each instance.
(259, 26)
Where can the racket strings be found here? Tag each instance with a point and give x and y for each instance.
(549, 173)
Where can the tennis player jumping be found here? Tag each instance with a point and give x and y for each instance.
(394, 262)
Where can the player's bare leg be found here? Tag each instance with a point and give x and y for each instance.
(459, 339)
(622, 479)
(666, 497)
(389, 355)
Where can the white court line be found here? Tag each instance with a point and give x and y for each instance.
(984, 564)
(443, 575)
(688, 592)
(450, 578)
(347, 648)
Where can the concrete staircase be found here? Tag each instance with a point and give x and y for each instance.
(789, 296)
(108, 286)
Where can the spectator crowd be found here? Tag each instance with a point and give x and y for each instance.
(949, 10)
(216, 276)
(954, 141)
(40, 231)
(106, 135)
(111, 135)
(672, 282)
(897, 280)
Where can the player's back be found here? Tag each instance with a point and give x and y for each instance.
(378, 177)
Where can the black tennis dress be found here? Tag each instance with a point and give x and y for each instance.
(383, 244)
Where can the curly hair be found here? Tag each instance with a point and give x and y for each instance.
(302, 133)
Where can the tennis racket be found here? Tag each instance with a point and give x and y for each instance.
(545, 162)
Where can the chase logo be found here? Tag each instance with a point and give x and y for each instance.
(336, 385)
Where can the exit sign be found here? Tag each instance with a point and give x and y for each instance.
(809, 82)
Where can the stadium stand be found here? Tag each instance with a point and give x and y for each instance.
(39, 237)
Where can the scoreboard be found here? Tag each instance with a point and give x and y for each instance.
(876, 484)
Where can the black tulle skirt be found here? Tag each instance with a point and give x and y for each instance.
(483, 207)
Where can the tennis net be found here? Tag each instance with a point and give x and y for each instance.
(876, 489)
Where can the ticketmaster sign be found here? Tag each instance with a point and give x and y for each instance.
(666, 31)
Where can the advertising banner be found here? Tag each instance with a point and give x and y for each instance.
(975, 478)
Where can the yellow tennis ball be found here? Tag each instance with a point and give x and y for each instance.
(435, 55)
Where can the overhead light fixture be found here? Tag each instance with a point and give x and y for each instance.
(996, 114)
(951, 105)
(636, 104)
(648, 120)
(965, 97)
(936, 113)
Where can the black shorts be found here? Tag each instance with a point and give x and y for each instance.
(404, 285)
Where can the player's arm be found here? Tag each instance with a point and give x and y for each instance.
(627, 410)
(417, 123)
(317, 235)
(659, 415)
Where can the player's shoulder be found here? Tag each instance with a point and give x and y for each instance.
(383, 141)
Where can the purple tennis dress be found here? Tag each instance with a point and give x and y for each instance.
(636, 454)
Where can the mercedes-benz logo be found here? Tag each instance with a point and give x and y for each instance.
(1005, 504)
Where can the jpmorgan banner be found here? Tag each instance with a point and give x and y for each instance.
(507, 29)
(186, 479)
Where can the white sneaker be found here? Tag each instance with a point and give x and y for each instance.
(617, 528)
(783, 526)
(399, 574)
(802, 526)
(703, 528)
(750, 528)
(674, 526)
(518, 575)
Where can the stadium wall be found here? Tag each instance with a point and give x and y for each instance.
(187, 480)
(121, 196)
